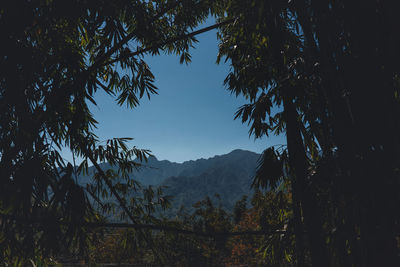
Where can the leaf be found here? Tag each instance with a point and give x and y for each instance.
(269, 170)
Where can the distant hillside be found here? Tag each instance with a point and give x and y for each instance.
(228, 175)
(153, 172)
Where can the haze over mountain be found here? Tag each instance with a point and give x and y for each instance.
(229, 176)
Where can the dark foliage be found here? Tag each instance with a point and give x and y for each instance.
(331, 68)
(55, 55)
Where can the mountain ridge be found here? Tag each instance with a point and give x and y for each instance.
(228, 175)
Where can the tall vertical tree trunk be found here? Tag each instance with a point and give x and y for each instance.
(304, 202)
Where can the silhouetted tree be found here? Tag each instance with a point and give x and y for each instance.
(331, 69)
(55, 56)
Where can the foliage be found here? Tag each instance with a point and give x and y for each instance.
(55, 56)
(177, 249)
(270, 212)
(325, 73)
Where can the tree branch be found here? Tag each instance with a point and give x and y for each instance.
(181, 231)
(99, 61)
(164, 228)
(168, 41)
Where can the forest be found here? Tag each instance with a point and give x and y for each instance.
(323, 73)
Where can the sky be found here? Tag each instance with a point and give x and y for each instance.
(192, 116)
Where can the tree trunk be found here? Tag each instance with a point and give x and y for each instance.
(306, 203)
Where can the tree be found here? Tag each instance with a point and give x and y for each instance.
(331, 69)
(239, 209)
(55, 56)
(270, 211)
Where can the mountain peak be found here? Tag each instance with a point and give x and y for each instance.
(241, 151)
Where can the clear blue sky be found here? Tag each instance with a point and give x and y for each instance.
(190, 118)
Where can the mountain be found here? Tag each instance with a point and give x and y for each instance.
(228, 175)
